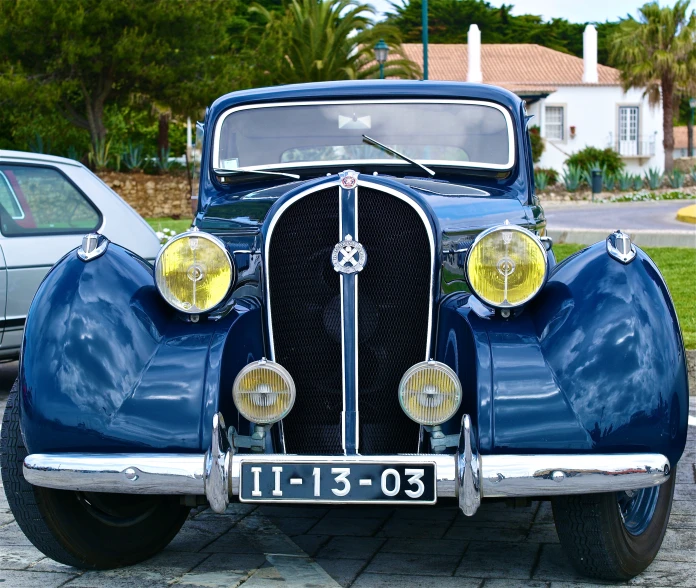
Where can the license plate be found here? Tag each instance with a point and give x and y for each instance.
(337, 482)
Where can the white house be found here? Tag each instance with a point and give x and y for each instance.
(575, 102)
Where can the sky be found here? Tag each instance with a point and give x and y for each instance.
(572, 10)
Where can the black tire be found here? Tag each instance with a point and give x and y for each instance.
(83, 530)
(596, 540)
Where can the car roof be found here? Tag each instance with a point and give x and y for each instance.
(36, 157)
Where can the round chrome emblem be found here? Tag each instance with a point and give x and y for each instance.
(348, 181)
(349, 256)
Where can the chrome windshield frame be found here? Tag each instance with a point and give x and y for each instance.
(357, 162)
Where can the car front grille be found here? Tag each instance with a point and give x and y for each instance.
(305, 318)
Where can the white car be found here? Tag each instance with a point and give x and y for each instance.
(47, 204)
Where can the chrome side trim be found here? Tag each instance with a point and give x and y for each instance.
(468, 470)
(217, 468)
(141, 473)
(93, 245)
(499, 166)
(549, 475)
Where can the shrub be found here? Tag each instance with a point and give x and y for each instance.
(606, 159)
(99, 155)
(163, 163)
(541, 180)
(572, 176)
(676, 178)
(637, 182)
(551, 174)
(625, 181)
(537, 143)
(654, 178)
(693, 174)
(72, 153)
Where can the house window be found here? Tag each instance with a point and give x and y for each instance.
(628, 130)
(555, 124)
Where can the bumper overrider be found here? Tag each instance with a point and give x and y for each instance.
(466, 475)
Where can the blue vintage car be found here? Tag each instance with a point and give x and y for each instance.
(366, 310)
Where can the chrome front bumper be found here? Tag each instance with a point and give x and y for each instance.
(465, 475)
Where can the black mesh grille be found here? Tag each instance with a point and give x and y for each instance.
(306, 320)
(393, 305)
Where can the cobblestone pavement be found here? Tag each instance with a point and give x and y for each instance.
(361, 547)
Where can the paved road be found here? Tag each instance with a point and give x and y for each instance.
(628, 216)
(360, 547)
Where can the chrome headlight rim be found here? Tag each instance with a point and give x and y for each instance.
(431, 363)
(282, 372)
(195, 232)
(500, 228)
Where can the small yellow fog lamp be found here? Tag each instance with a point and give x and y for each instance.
(430, 393)
(506, 266)
(194, 272)
(263, 392)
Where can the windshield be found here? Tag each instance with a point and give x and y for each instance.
(443, 132)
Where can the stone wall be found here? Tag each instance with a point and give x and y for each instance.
(152, 196)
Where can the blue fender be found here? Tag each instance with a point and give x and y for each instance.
(108, 366)
(596, 364)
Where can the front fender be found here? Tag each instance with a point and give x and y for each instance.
(596, 364)
(108, 366)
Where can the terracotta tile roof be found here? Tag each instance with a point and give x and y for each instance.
(513, 66)
(681, 138)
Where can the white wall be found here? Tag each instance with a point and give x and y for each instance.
(594, 112)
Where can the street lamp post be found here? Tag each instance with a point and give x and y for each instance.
(690, 128)
(381, 55)
(424, 18)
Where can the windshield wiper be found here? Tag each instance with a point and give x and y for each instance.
(397, 154)
(243, 170)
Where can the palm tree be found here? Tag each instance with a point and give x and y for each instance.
(322, 40)
(658, 52)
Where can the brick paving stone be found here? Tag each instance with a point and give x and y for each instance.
(366, 580)
(553, 565)
(344, 571)
(667, 573)
(18, 579)
(311, 544)
(350, 548)
(413, 529)
(291, 511)
(233, 542)
(211, 580)
(19, 557)
(420, 564)
(499, 560)
(487, 533)
(294, 525)
(11, 534)
(352, 527)
(240, 563)
(510, 583)
(439, 546)
(197, 534)
(543, 533)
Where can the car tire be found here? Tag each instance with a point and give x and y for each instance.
(83, 530)
(599, 541)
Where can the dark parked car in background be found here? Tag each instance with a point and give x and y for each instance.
(366, 310)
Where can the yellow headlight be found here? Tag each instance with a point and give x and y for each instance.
(194, 272)
(263, 392)
(430, 393)
(506, 266)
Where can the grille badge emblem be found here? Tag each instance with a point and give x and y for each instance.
(349, 256)
(348, 179)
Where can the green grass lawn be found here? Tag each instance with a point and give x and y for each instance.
(179, 225)
(678, 266)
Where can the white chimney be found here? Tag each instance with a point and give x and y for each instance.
(474, 50)
(589, 55)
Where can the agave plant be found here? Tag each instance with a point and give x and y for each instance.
(654, 178)
(72, 153)
(38, 145)
(99, 155)
(676, 178)
(163, 163)
(693, 174)
(625, 181)
(637, 182)
(572, 176)
(133, 158)
(541, 180)
(609, 181)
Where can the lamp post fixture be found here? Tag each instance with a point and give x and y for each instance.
(424, 23)
(381, 55)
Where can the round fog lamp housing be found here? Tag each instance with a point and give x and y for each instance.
(263, 392)
(506, 266)
(430, 393)
(194, 272)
